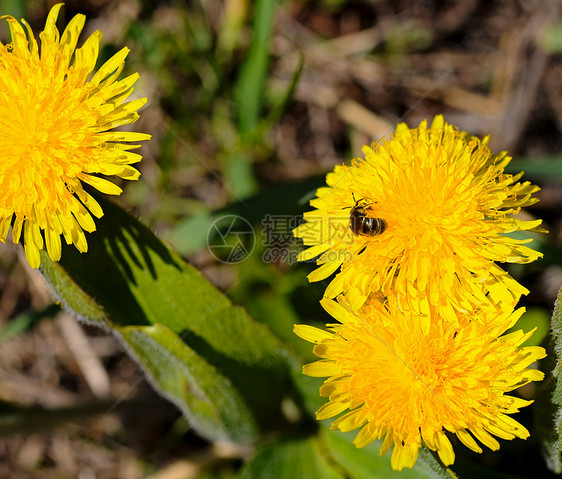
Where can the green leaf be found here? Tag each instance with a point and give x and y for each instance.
(300, 458)
(214, 406)
(281, 317)
(248, 94)
(238, 168)
(367, 463)
(250, 84)
(239, 174)
(190, 235)
(16, 8)
(539, 168)
(552, 434)
(130, 278)
(533, 318)
(284, 199)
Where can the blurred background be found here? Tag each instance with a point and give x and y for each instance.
(250, 104)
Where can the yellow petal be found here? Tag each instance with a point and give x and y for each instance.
(101, 184)
(311, 334)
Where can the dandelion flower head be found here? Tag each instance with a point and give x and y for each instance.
(447, 204)
(56, 122)
(410, 387)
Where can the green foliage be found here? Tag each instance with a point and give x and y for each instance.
(291, 459)
(538, 168)
(16, 8)
(533, 318)
(553, 441)
(250, 85)
(331, 455)
(367, 463)
(190, 235)
(130, 280)
(214, 406)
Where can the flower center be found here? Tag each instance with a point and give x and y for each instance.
(45, 130)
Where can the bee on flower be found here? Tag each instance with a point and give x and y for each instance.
(57, 120)
(435, 207)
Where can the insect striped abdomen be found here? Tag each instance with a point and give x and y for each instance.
(361, 224)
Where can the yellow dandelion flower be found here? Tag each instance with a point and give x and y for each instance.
(409, 387)
(444, 204)
(56, 117)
